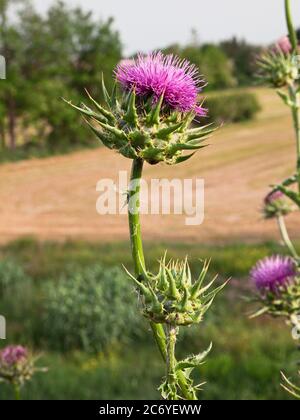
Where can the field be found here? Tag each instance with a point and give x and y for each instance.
(48, 223)
(54, 198)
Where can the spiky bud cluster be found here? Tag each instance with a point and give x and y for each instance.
(143, 130)
(17, 365)
(171, 296)
(283, 302)
(276, 204)
(278, 69)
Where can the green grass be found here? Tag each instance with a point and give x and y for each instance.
(245, 361)
(48, 259)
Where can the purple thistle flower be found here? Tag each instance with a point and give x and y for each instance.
(156, 74)
(12, 355)
(270, 273)
(273, 197)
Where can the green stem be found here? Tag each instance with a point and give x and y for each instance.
(291, 28)
(285, 237)
(171, 360)
(139, 262)
(295, 114)
(17, 392)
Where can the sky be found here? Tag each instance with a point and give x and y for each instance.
(147, 25)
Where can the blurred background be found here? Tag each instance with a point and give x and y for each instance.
(62, 288)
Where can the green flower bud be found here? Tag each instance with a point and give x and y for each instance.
(172, 297)
(278, 69)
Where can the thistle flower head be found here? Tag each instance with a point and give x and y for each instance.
(154, 75)
(276, 204)
(17, 365)
(272, 273)
(172, 297)
(149, 118)
(278, 69)
(12, 355)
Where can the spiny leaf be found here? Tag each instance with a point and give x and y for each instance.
(197, 285)
(172, 285)
(193, 361)
(113, 98)
(105, 92)
(184, 146)
(131, 116)
(153, 116)
(214, 292)
(86, 111)
(144, 290)
(100, 134)
(115, 131)
(164, 133)
(107, 114)
(182, 159)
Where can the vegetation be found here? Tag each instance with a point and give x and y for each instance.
(232, 108)
(68, 50)
(50, 57)
(245, 352)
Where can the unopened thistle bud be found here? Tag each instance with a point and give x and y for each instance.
(278, 69)
(172, 297)
(276, 204)
(149, 113)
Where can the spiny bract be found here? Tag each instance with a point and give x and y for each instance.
(278, 69)
(172, 297)
(146, 127)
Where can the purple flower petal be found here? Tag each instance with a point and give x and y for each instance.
(156, 74)
(12, 355)
(270, 273)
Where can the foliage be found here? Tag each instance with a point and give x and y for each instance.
(243, 56)
(89, 309)
(235, 107)
(15, 286)
(211, 60)
(68, 51)
(246, 352)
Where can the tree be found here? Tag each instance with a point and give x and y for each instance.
(243, 56)
(50, 57)
(211, 60)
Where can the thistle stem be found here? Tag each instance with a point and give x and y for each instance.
(139, 263)
(17, 392)
(285, 237)
(171, 360)
(296, 119)
(291, 28)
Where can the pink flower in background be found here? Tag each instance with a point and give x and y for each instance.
(12, 355)
(271, 273)
(156, 74)
(284, 45)
(273, 197)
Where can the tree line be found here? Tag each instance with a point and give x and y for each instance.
(64, 51)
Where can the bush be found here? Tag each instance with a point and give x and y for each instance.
(232, 108)
(90, 310)
(15, 288)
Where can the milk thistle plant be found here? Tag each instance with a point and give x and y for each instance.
(277, 278)
(147, 118)
(17, 366)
